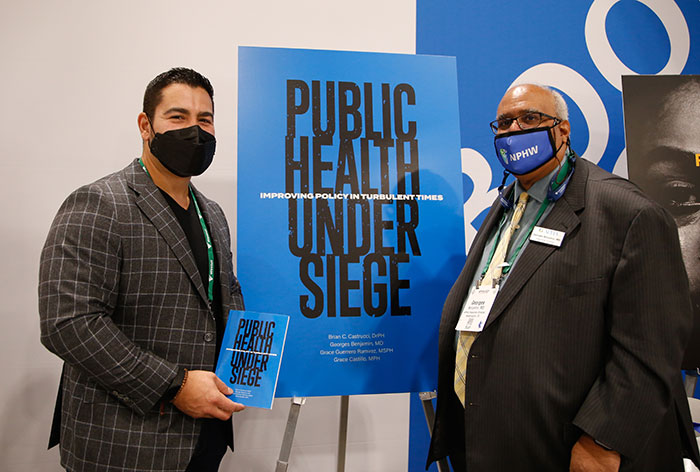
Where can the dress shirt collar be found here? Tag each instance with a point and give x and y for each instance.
(538, 190)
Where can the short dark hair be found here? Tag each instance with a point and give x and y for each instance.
(176, 75)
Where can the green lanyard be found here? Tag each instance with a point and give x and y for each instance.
(207, 239)
(562, 173)
(506, 269)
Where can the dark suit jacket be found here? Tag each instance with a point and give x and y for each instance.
(122, 303)
(586, 337)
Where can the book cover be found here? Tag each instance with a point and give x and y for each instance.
(251, 355)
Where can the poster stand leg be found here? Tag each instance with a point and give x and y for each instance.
(691, 379)
(343, 431)
(286, 449)
(426, 399)
(294, 409)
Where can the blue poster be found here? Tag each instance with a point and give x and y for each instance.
(350, 212)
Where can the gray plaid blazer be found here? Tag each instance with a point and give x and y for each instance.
(122, 303)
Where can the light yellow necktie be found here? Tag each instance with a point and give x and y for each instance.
(493, 273)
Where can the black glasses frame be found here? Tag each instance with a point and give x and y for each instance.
(507, 122)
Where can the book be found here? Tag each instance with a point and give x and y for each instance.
(251, 355)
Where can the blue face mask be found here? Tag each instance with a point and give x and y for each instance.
(521, 152)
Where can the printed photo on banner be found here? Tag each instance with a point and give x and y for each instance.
(662, 119)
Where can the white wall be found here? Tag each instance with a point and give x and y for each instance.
(71, 82)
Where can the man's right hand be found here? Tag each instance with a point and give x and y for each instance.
(203, 395)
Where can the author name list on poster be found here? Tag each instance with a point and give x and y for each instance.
(352, 347)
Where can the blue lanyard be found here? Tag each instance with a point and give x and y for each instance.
(207, 239)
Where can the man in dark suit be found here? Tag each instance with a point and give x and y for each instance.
(136, 281)
(569, 345)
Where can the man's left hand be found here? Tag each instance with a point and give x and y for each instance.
(587, 456)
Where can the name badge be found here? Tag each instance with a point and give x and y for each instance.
(547, 236)
(477, 308)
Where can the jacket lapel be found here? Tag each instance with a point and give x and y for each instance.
(563, 217)
(460, 290)
(153, 205)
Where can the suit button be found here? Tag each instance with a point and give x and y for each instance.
(209, 337)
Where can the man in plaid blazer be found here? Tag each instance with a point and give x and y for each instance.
(136, 280)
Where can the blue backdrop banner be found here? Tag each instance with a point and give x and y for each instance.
(580, 48)
(350, 212)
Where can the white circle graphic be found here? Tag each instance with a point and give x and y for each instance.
(605, 58)
(621, 164)
(580, 91)
(479, 171)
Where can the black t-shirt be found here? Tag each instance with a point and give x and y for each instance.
(189, 221)
(213, 430)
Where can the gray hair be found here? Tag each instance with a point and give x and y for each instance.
(560, 107)
(559, 103)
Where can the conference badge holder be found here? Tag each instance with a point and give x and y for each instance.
(477, 308)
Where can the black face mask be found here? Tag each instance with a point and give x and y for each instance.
(184, 152)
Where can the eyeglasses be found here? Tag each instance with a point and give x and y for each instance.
(528, 120)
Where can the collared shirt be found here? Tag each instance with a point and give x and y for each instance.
(538, 194)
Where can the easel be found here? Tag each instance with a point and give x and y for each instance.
(295, 408)
(286, 449)
(426, 398)
(691, 379)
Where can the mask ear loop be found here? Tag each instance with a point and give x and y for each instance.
(555, 178)
(505, 202)
(562, 144)
(150, 123)
(150, 139)
(556, 188)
